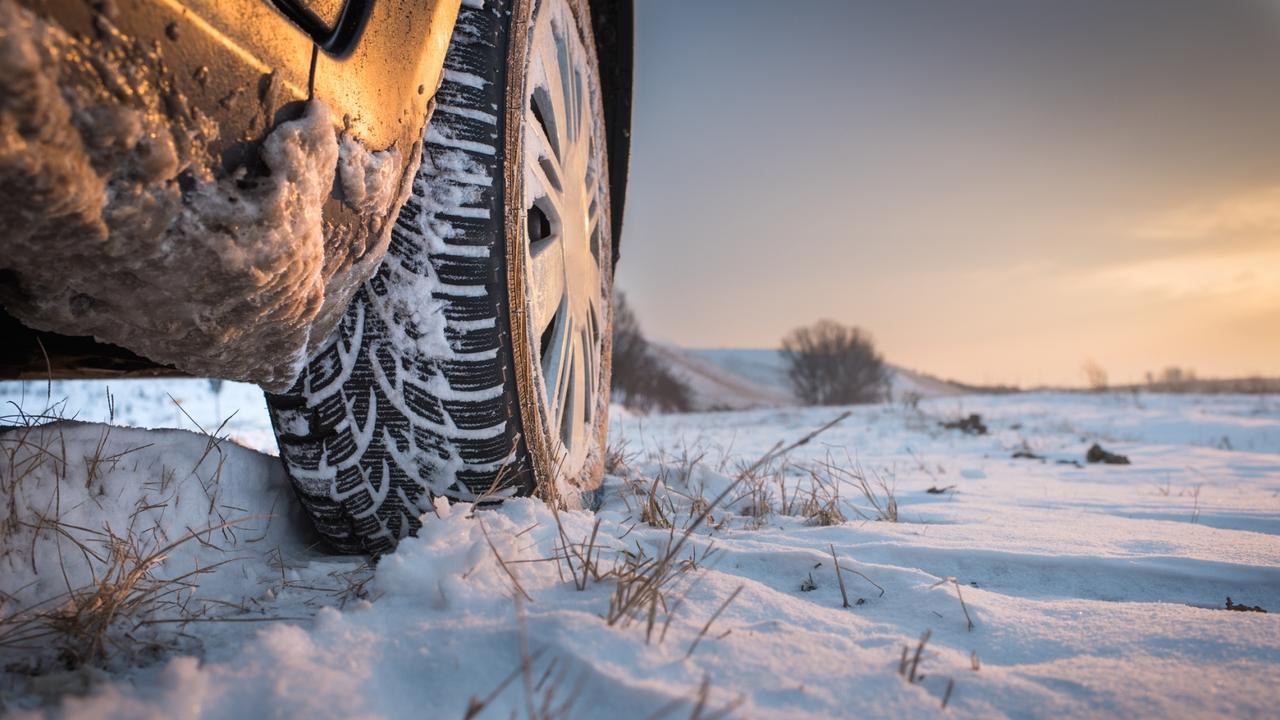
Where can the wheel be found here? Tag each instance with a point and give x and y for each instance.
(474, 365)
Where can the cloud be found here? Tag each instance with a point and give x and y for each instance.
(1224, 253)
(1252, 215)
(1244, 281)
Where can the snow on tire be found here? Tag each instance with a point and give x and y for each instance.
(419, 392)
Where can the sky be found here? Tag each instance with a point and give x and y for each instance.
(999, 191)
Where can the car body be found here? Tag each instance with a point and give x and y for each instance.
(199, 187)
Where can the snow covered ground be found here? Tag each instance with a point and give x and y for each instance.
(1088, 590)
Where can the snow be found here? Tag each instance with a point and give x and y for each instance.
(1093, 590)
(370, 180)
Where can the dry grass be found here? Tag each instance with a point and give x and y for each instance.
(548, 694)
(840, 578)
(821, 506)
(515, 580)
(877, 489)
(807, 491)
(844, 594)
(703, 632)
(965, 608)
(582, 559)
(544, 698)
(648, 587)
(115, 598)
(85, 622)
(657, 509)
(656, 501)
(701, 709)
(618, 457)
(909, 665)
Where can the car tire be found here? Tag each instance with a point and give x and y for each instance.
(496, 286)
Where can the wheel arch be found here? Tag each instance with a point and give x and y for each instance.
(28, 353)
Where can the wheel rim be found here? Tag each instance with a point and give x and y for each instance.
(566, 253)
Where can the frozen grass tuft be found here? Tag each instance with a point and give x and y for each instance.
(124, 596)
(105, 552)
(544, 698)
(668, 490)
(877, 491)
(645, 583)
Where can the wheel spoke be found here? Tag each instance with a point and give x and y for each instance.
(554, 89)
(547, 294)
(591, 370)
(555, 367)
(572, 422)
(548, 134)
(582, 123)
(565, 380)
(569, 90)
(545, 168)
(593, 218)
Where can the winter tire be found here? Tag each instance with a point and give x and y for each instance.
(474, 365)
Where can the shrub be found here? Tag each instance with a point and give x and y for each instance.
(1095, 376)
(833, 364)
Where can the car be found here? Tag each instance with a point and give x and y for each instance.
(399, 218)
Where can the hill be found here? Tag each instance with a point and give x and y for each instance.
(757, 378)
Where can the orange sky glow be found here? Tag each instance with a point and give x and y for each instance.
(998, 191)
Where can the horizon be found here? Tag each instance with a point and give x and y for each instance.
(1198, 377)
(997, 194)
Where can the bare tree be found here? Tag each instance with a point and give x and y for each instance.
(1095, 376)
(640, 381)
(1177, 378)
(834, 364)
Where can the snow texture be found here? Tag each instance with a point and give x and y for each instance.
(1094, 590)
(369, 179)
(120, 223)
